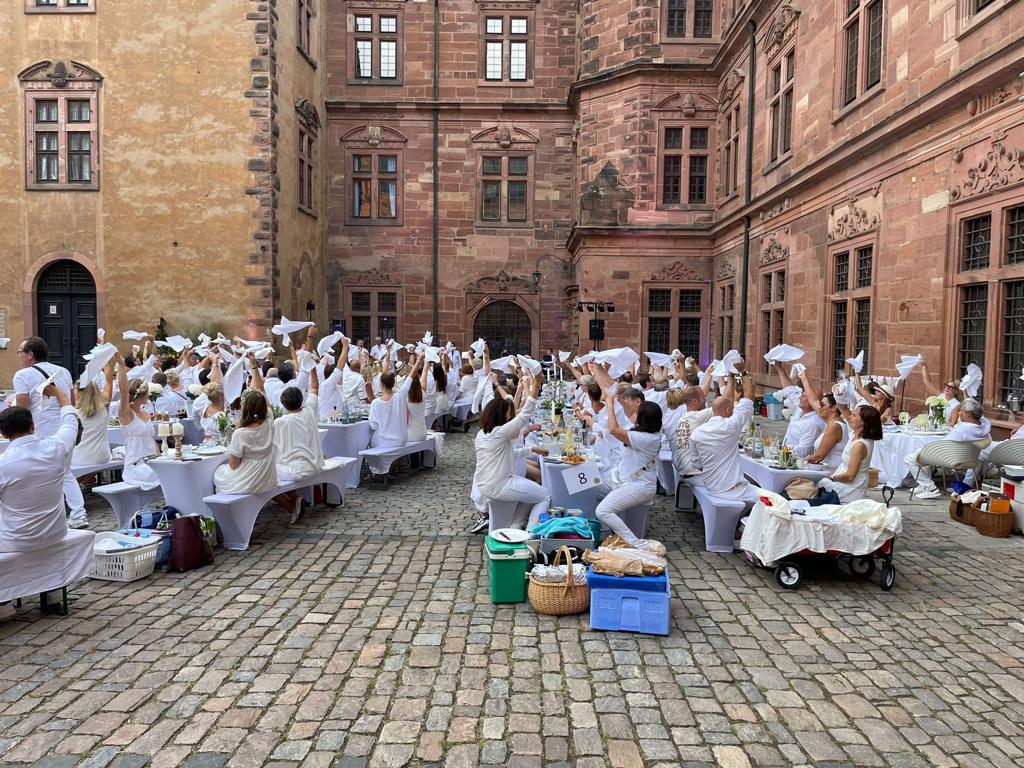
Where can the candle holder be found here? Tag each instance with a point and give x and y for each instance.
(177, 447)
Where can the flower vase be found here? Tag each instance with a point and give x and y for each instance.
(556, 416)
(223, 437)
(938, 416)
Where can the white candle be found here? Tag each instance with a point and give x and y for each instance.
(178, 428)
(163, 429)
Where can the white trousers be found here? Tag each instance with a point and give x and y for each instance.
(620, 499)
(526, 492)
(923, 475)
(73, 495)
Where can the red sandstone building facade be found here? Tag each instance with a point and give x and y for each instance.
(839, 175)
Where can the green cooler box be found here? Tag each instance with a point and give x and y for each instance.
(507, 564)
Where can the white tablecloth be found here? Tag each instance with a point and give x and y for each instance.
(551, 478)
(185, 483)
(347, 440)
(28, 573)
(892, 449)
(775, 480)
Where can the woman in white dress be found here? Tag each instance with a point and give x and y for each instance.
(416, 403)
(297, 440)
(850, 481)
(214, 392)
(467, 384)
(830, 444)
(389, 418)
(91, 404)
(136, 429)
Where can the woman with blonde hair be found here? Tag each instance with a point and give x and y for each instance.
(136, 429)
(91, 403)
(214, 392)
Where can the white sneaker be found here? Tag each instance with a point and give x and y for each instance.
(79, 521)
(934, 493)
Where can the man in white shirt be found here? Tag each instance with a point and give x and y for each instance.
(32, 472)
(971, 426)
(696, 416)
(715, 447)
(378, 350)
(272, 387)
(46, 415)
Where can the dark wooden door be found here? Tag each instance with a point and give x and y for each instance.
(66, 313)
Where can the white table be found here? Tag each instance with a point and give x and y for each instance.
(776, 480)
(666, 471)
(346, 441)
(185, 483)
(893, 448)
(551, 478)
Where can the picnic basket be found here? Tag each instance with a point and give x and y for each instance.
(996, 521)
(960, 512)
(124, 564)
(559, 599)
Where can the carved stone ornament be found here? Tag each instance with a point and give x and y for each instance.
(986, 101)
(782, 26)
(369, 277)
(501, 283)
(775, 210)
(504, 136)
(851, 221)
(606, 200)
(772, 250)
(308, 116)
(59, 74)
(677, 272)
(689, 105)
(999, 168)
(730, 85)
(726, 270)
(374, 135)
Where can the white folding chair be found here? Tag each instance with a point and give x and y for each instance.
(952, 456)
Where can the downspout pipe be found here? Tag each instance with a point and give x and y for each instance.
(748, 177)
(435, 241)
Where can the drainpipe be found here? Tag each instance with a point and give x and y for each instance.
(435, 244)
(748, 175)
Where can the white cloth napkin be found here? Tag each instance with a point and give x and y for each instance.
(659, 359)
(428, 339)
(783, 353)
(727, 365)
(307, 361)
(226, 356)
(857, 362)
(527, 362)
(101, 336)
(4, 341)
(177, 343)
(98, 357)
(972, 381)
(327, 342)
(478, 346)
(584, 359)
(907, 364)
(796, 370)
(233, 381)
(134, 335)
(286, 327)
(620, 360)
(432, 354)
(845, 393)
(503, 364)
(563, 356)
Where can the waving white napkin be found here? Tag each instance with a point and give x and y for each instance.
(134, 335)
(226, 355)
(263, 352)
(286, 327)
(4, 341)
(796, 370)
(327, 342)
(845, 393)
(619, 359)
(307, 361)
(177, 343)
(101, 336)
(584, 359)
(783, 353)
(659, 359)
(527, 362)
(907, 364)
(563, 356)
(478, 346)
(432, 354)
(98, 357)
(233, 380)
(857, 362)
(428, 339)
(503, 364)
(727, 365)
(972, 381)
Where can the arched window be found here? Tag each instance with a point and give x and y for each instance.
(61, 126)
(505, 326)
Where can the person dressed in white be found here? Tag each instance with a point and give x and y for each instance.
(33, 354)
(694, 413)
(32, 472)
(971, 426)
(94, 447)
(297, 441)
(805, 424)
(496, 455)
(467, 384)
(389, 418)
(949, 392)
(830, 444)
(273, 386)
(633, 481)
(849, 482)
(416, 401)
(715, 447)
(174, 399)
(136, 430)
(1018, 434)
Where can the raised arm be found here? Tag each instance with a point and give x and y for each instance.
(929, 385)
(516, 425)
(124, 406)
(314, 381)
(812, 394)
(312, 334)
(216, 372)
(108, 383)
(619, 433)
(855, 378)
(424, 372)
(604, 381)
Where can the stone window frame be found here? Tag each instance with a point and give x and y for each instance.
(849, 297)
(51, 81)
(846, 20)
(374, 141)
(515, 9)
(686, 152)
(375, 10)
(504, 178)
(306, 30)
(996, 277)
(730, 153)
(373, 313)
(969, 17)
(60, 6)
(675, 313)
(726, 294)
(308, 176)
(689, 23)
(775, 105)
(771, 318)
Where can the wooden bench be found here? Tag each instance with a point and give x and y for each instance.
(394, 452)
(236, 513)
(126, 499)
(52, 568)
(721, 516)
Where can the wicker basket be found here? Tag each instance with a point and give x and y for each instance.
(559, 599)
(960, 512)
(998, 525)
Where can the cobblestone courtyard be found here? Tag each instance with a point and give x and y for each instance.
(364, 636)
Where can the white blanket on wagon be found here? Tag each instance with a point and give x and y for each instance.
(772, 532)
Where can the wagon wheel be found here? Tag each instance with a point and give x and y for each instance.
(888, 576)
(862, 566)
(788, 575)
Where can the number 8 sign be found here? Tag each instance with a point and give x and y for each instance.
(581, 477)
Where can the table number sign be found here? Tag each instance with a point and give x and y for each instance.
(581, 477)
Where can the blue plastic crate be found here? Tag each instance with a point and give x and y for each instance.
(630, 610)
(638, 583)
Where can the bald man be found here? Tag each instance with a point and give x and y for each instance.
(715, 446)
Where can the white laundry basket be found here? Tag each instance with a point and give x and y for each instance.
(128, 564)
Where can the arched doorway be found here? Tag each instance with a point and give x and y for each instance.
(504, 325)
(66, 313)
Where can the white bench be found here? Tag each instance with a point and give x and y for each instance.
(81, 470)
(721, 516)
(395, 452)
(43, 570)
(501, 514)
(126, 499)
(236, 513)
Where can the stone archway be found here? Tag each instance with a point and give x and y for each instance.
(504, 325)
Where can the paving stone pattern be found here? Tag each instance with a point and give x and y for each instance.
(364, 637)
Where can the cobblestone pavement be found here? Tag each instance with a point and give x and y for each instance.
(364, 636)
